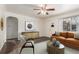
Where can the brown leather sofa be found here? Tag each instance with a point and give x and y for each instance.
(67, 39)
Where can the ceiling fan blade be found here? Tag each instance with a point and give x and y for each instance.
(47, 13)
(38, 13)
(36, 9)
(51, 9)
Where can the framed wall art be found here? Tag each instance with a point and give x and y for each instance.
(1, 23)
(29, 26)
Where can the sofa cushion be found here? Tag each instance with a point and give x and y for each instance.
(70, 35)
(59, 37)
(64, 34)
(55, 36)
(72, 41)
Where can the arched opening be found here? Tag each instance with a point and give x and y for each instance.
(12, 28)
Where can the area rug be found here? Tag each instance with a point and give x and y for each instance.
(41, 48)
(41, 39)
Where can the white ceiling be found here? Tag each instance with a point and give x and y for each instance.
(27, 9)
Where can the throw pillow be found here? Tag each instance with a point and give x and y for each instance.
(76, 35)
(57, 33)
(56, 43)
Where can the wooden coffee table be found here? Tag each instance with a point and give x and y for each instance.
(54, 50)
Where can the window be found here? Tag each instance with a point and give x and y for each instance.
(71, 24)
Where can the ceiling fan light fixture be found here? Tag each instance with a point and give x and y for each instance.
(43, 12)
(41, 5)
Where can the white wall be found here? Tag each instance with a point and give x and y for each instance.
(38, 23)
(2, 32)
(57, 20)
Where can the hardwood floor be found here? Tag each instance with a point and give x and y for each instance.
(12, 44)
(9, 46)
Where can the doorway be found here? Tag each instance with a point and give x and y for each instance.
(12, 28)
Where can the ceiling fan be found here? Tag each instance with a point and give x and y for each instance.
(44, 10)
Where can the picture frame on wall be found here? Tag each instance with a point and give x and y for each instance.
(1, 23)
(29, 26)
